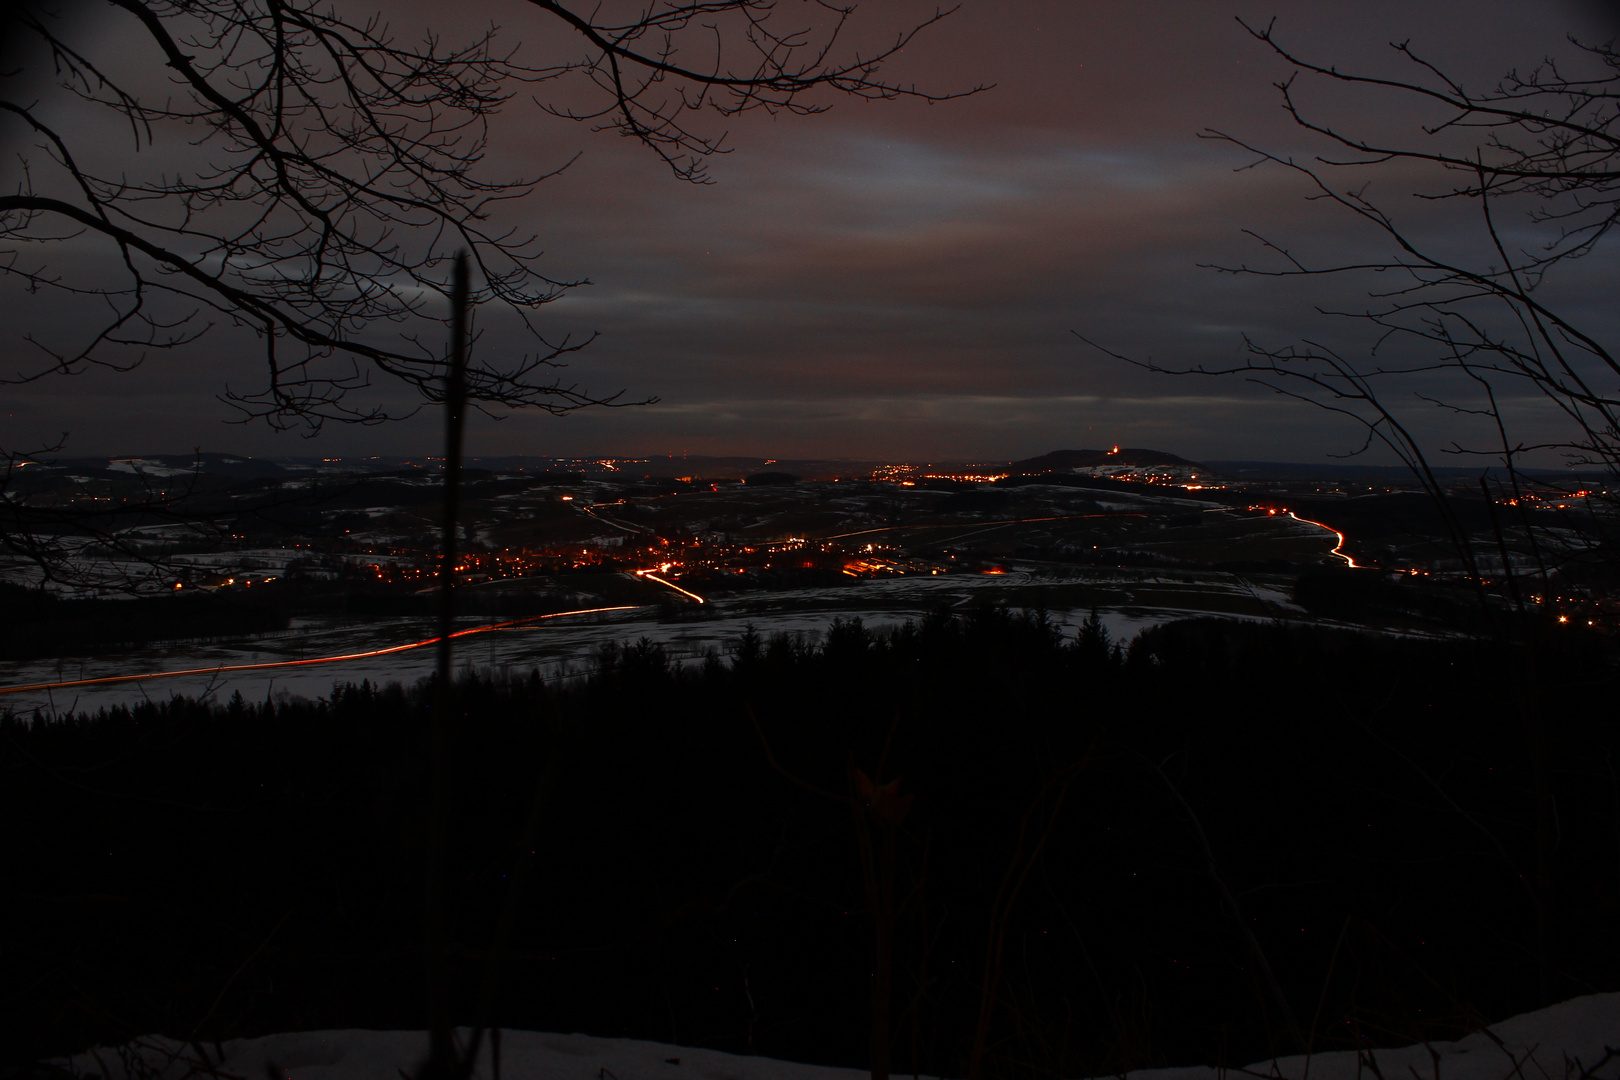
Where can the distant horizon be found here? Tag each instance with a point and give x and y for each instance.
(1232, 468)
(606, 455)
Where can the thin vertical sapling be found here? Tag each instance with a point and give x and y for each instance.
(879, 812)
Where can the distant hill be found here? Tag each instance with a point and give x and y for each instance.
(1058, 460)
(236, 465)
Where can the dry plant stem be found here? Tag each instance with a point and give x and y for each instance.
(1512, 865)
(1012, 883)
(877, 869)
(914, 1009)
(1524, 681)
(225, 989)
(510, 910)
(878, 874)
(1321, 1002)
(1546, 821)
(1292, 1031)
(441, 1061)
(1508, 576)
(873, 804)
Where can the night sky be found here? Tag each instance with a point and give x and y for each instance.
(904, 280)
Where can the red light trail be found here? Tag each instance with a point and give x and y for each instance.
(650, 576)
(312, 660)
(1338, 549)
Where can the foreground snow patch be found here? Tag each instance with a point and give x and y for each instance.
(1576, 1040)
(382, 1055)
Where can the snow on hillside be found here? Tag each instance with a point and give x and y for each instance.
(1576, 1040)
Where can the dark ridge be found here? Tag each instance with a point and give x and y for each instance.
(768, 479)
(1125, 455)
(1101, 483)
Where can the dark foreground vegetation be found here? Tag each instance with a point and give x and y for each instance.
(1227, 841)
(39, 623)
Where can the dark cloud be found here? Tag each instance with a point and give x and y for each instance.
(903, 280)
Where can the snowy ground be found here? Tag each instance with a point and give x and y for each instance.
(1127, 600)
(1575, 1040)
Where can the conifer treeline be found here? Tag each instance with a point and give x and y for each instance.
(695, 872)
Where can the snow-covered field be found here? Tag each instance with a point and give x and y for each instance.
(1575, 1040)
(1127, 601)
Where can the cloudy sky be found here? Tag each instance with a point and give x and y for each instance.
(903, 280)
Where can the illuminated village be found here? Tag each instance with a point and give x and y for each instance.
(538, 533)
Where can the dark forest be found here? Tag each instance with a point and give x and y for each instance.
(1225, 841)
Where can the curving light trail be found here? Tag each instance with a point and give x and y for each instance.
(649, 575)
(1338, 549)
(223, 668)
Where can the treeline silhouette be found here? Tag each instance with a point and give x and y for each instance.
(40, 624)
(1221, 807)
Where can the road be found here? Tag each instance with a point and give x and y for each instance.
(1338, 548)
(224, 669)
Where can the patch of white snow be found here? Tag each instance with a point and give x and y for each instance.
(1576, 1039)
